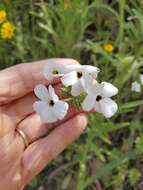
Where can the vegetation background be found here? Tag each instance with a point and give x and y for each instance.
(109, 35)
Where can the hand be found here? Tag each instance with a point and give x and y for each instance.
(18, 164)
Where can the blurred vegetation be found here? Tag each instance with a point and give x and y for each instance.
(109, 35)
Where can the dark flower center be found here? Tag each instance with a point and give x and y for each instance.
(51, 103)
(98, 98)
(79, 75)
(55, 72)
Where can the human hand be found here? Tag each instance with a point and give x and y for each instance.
(19, 164)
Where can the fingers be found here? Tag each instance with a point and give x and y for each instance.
(40, 153)
(20, 109)
(19, 80)
(34, 129)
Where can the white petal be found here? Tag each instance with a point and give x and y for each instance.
(108, 107)
(45, 112)
(136, 87)
(88, 103)
(96, 88)
(97, 107)
(39, 106)
(108, 90)
(48, 116)
(73, 67)
(52, 94)
(77, 89)
(41, 92)
(87, 83)
(141, 78)
(50, 67)
(69, 78)
(88, 69)
(60, 109)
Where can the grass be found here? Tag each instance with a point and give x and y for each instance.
(109, 153)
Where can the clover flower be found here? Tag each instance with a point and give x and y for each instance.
(98, 98)
(78, 77)
(49, 107)
(80, 87)
(7, 30)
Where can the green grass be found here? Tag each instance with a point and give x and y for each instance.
(110, 151)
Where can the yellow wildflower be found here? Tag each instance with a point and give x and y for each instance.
(108, 48)
(7, 30)
(67, 5)
(2, 16)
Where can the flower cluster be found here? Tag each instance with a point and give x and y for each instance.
(136, 86)
(6, 28)
(77, 80)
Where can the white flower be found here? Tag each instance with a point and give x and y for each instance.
(136, 87)
(49, 107)
(141, 78)
(53, 70)
(98, 98)
(78, 76)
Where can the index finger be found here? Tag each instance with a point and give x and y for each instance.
(21, 79)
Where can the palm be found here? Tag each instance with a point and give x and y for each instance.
(18, 164)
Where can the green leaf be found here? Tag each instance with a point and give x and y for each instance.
(111, 165)
(130, 105)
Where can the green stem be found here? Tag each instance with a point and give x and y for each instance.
(82, 171)
(122, 4)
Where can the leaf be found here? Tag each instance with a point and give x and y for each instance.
(111, 165)
(130, 105)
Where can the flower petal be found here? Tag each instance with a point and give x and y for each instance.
(52, 95)
(97, 107)
(88, 69)
(48, 116)
(50, 68)
(87, 83)
(39, 106)
(69, 78)
(77, 89)
(41, 92)
(108, 107)
(108, 90)
(46, 113)
(73, 67)
(88, 103)
(60, 109)
(136, 87)
(141, 78)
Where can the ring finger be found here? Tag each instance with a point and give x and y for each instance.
(34, 129)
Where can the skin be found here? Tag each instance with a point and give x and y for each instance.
(18, 164)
